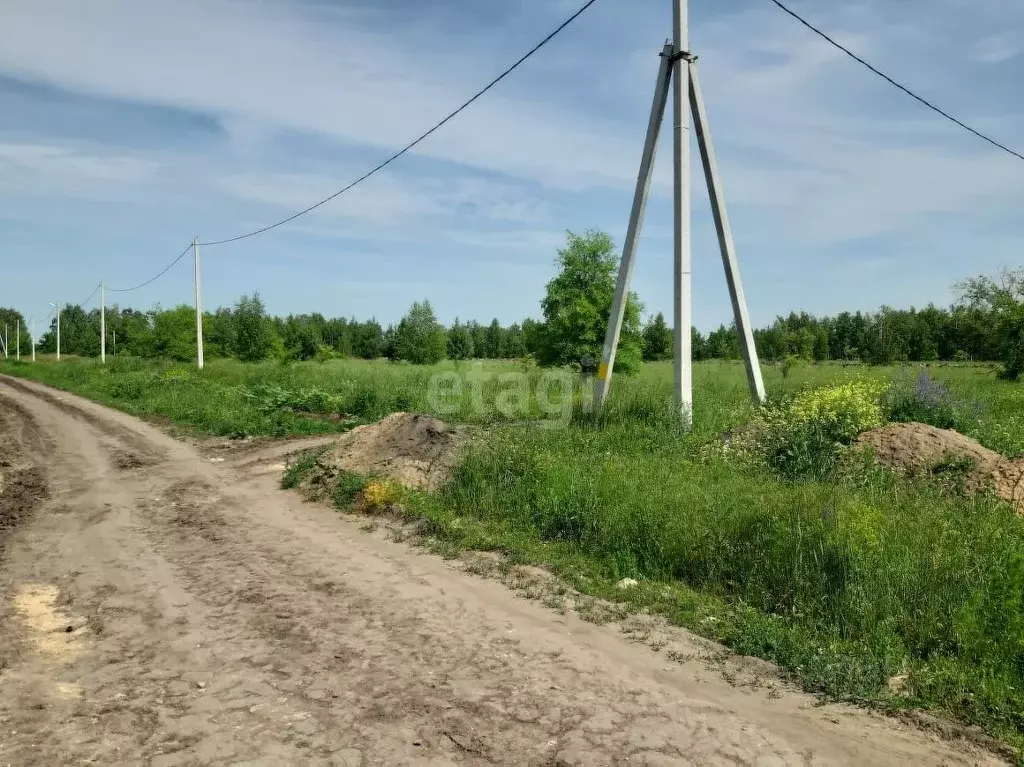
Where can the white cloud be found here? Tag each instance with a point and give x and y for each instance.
(42, 169)
(1000, 47)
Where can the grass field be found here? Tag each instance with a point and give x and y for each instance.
(847, 580)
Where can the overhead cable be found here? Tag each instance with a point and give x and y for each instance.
(155, 277)
(894, 83)
(416, 141)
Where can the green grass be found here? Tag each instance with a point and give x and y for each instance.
(845, 583)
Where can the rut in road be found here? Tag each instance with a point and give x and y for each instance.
(161, 609)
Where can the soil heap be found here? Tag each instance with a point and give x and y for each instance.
(914, 448)
(414, 449)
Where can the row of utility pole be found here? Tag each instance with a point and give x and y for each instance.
(103, 321)
(678, 69)
(5, 340)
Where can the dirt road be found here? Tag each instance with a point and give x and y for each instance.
(161, 609)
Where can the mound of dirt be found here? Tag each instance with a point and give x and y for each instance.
(413, 449)
(914, 448)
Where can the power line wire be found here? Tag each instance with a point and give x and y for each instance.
(891, 81)
(94, 292)
(422, 136)
(156, 277)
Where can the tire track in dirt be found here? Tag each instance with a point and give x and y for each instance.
(216, 619)
(23, 486)
(130, 451)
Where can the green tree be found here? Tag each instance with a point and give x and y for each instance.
(533, 335)
(388, 347)
(479, 335)
(368, 340)
(495, 340)
(302, 337)
(658, 339)
(217, 332)
(578, 302)
(252, 339)
(723, 344)
(1003, 299)
(698, 345)
(515, 341)
(174, 333)
(460, 342)
(419, 337)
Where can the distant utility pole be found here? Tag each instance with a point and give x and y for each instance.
(199, 306)
(17, 340)
(103, 324)
(679, 67)
(5, 340)
(56, 309)
(33, 339)
(113, 352)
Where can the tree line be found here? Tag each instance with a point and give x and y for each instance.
(986, 324)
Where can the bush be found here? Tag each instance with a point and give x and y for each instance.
(802, 437)
(928, 401)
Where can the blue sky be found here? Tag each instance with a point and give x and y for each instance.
(127, 128)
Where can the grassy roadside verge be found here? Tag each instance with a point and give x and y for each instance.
(877, 591)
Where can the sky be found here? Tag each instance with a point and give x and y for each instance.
(128, 128)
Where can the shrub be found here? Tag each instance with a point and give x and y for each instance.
(803, 436)
(379, 494)
(928, 401)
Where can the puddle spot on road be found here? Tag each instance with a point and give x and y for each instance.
(37, 605)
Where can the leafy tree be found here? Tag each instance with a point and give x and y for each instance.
(515, 341)
(533, 335)
(174, 333)
(252, 340)
(698, 345)
(495, 340)
(460, 342)
(389, 348)
(479, 335)
(419, 337)
(658, 340)
(368, 340)
(578, 302)
(723, 344)
(1003, 299)
(302, 338)
(218, 329)
(337, 333)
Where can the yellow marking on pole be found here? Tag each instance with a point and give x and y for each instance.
(602, 371)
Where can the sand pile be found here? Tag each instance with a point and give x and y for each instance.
(915, 448)
(416, 450)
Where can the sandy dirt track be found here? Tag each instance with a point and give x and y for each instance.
(157, 608)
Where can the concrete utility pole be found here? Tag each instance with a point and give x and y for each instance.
(682, 72)
(199, 306)
(56, 309)
(33, 339)
(103, 324)
(725, 243)
(682, 310)
(17, 340)
(636, 222)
